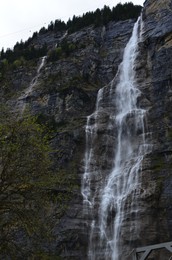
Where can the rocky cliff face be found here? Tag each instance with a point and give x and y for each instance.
(154, 78)
(65, 93)
(62, 93)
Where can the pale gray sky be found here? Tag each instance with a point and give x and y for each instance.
(20, 18)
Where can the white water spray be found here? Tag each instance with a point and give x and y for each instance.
(113, 197)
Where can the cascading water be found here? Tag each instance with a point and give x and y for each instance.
(110, 196)
(22, 100)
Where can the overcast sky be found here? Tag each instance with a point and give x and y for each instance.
(20, 18)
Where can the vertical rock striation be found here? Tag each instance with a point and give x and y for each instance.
(65, 94)
(111, 197)
(153, 75)
(154, 78)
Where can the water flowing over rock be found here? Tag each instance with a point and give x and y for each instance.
(22, 101)
(110, 198)
(118, 149)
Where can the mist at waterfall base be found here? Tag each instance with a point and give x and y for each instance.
(109, 196)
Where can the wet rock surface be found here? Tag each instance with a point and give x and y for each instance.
(154, 79)
(65, 94)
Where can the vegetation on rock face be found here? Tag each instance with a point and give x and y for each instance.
(28, 51)
(28, 186)
(36, 192)
(63, 50)
(23, 51)
(105, 15)
(24, 162)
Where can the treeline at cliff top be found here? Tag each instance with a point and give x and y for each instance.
(97, 18)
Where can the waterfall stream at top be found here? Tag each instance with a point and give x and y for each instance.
(110, 192)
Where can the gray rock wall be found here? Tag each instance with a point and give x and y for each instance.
(154, 76)
(66, 93)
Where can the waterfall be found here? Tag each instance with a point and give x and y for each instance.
(22, 99)
(110, 192)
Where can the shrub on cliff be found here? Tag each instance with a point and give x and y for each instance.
(54, 54)
(32, 189)
(24, 171)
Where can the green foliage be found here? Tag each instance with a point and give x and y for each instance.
(18, 63)
(67, 48)
(125, 11)
(96, 18)
(54, 54)
(63, 50)
(4, 65)
(23, 51)
(32, 189)
(24, 162)
(56, 26)
(59, 25)
(42, 30)
(103, 16)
